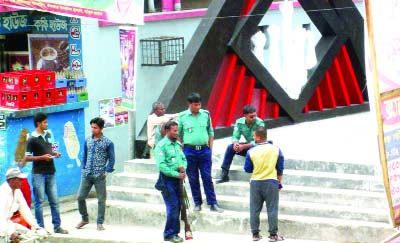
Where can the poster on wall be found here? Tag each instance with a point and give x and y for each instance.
(391, 132)
(127, 37)
(383, 65)
(17, 60)
(387, 43)
(117, 11)
(48, 52)
(113, 113)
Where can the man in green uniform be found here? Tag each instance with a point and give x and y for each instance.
(197, 135)
(171, 162)
(243, 126)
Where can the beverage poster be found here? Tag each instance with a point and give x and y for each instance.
(48, 52)
(127, 37)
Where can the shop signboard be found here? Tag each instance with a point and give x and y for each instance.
(116, 11)
(14, 22)
(47, 29)
(50, 24)
(127, 37)
(384, 64)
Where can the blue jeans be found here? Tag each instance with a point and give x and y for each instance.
(171, 196)
(260, 192)
(46, 183)
(228, 157)
(200, 160)
(99, 182)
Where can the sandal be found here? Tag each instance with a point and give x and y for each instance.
(275, 238)
(81, 224)
(188, 235)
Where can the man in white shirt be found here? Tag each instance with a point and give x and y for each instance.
(157, 118)
(12, 201)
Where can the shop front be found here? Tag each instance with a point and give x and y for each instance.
(42, 70)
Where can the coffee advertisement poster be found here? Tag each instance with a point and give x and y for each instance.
(48, 52)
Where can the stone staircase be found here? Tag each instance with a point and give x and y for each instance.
(330, 201)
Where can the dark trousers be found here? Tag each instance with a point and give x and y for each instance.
(229, 154)
(99, 182)
(200, 160)
(260, 192)
(171, 196)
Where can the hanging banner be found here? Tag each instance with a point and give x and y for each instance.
(127, 37)
(116, 11)
(384, 67)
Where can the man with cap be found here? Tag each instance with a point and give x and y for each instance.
(12, 202)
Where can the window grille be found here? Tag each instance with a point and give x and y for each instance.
(161, 51)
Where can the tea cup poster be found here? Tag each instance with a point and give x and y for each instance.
(48, 52)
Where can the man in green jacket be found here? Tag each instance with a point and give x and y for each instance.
(171, 162)
(243, 126)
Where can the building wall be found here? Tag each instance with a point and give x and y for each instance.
(102, 67)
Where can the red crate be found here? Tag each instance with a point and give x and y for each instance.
(2, 98)
(47, 78)
(16, 100)
(36, 98)
(16, 81)
(48, 97)
(36, 79)
(60, 96)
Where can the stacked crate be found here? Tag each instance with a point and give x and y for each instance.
(75, 83)
(29, 89)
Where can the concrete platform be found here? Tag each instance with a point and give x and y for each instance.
(349, 139)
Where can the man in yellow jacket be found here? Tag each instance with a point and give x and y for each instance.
(266, 163)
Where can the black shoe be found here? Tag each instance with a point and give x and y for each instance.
(60, 230)
(197, 208)
(223, 179)
(174, 239)
(257, 237)
(216, 208)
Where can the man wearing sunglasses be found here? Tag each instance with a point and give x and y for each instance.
(243, 126)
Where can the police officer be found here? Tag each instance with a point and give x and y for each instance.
(197, 135)
(171, 162)
(243, 126)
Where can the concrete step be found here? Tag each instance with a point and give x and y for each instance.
(335, 196)
(124, 233)
(297, 227)
(343, 197)
(292, 177)
(320, 166)
(297, 177)
(237, 203)
(346, 197)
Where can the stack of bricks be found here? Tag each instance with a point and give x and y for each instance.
(29, 89)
